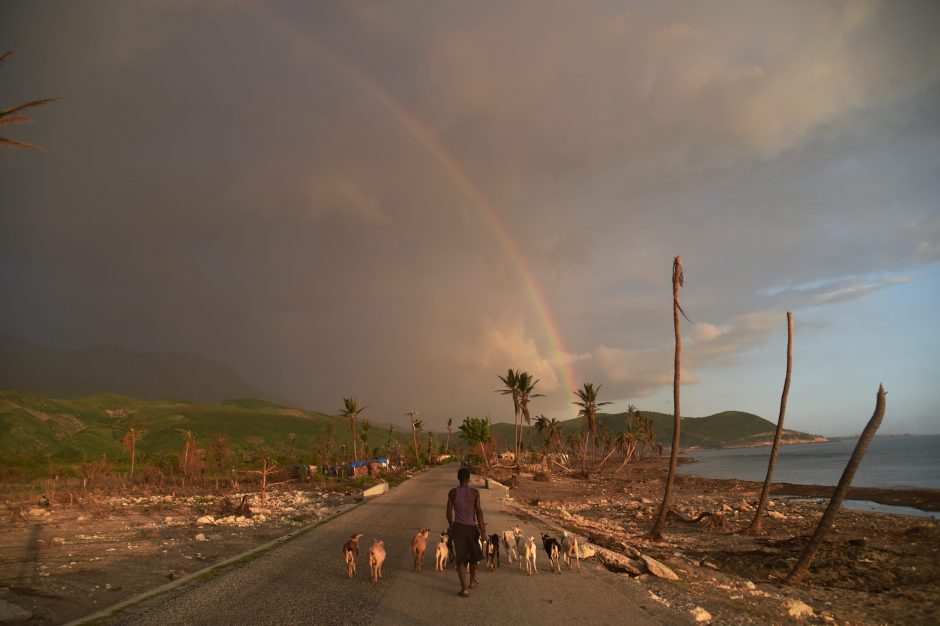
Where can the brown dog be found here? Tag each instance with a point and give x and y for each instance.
(376, 558)
(418, 545)
(351, 553)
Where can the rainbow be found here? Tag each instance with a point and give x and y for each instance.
(461, 180)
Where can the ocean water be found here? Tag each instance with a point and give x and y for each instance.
(890, 463)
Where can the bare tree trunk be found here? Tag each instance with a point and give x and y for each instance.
(802, 566)
(355, 447)
(677, 280)
(755, 527)
(485, 460)
(264, 479)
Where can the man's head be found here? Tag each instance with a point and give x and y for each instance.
(463, 474)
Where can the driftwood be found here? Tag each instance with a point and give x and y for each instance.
(708, 520)
(564, 468)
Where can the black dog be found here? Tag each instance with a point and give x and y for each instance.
(553, 550)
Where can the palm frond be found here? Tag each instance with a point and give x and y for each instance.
(9, 120)
(12, 143)
(26, 105)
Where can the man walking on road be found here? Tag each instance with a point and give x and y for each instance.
(465, 527)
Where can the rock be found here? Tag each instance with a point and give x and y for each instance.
(745, 506)
(619, 562)
(776, 515)
(586, 550)
(58, 541)
(797, 608)
(750, 585)
(726, 508)
(658, 569)
(43, 501)
(38, 512)
(176, 574)
(201, 537)
(205, 520)
(168, 519)
(700, 615)
(215, 537)
(10, 613)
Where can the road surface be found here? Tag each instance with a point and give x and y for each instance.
(304, 580)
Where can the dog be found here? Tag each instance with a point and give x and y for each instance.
(351, 553)
(418, 545)
(440, 557)
(569, 548)
(553, 550)
(530, 554)
(521, 543)
(376, 558)
(492, 552)
(509, 543)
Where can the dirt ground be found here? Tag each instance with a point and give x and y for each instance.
(61, 561)
(874, 568)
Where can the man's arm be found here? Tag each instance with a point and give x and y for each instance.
(476, 503)
(450, 508)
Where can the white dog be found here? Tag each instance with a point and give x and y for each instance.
(569, 548)
(440, 557)
(530, 553)
(509, 544)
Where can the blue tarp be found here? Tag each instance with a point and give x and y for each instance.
(366, 463)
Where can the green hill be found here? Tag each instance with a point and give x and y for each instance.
(727, 429)
(35, 429)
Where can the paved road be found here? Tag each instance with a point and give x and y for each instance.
(303, 581)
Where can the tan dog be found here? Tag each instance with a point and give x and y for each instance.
(418, 545)
(351, 553)
(376, 558)
(440, 557)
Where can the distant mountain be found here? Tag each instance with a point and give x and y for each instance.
(728, 429)
(90, 371)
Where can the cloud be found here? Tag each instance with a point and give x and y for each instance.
(505, 345)
(332, 194)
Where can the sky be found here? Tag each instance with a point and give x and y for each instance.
(402, 200)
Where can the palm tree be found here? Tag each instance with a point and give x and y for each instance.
(678, 280)
(14, 115)
(625, 443)
(526, 387)
(588, 411)
(450, 423)
(511, 387)
(755, 527)
(828, 517)
(364, 436)
(351, 411)
(476, 431)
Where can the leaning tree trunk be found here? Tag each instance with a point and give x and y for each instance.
(677, 281)
(802, 566)
(483, 454)
(755, 527)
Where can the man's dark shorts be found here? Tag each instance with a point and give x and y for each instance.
(466, 543)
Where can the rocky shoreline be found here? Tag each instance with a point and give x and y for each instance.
(874, 568)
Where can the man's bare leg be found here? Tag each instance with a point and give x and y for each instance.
(473, 575)
(462, 573)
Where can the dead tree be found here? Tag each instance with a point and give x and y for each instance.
(755, 527)
(802, 566)
(678, 280)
